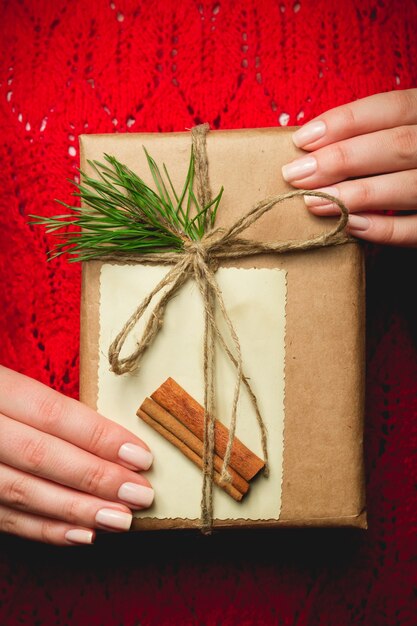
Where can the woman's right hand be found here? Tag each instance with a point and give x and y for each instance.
(64, 469)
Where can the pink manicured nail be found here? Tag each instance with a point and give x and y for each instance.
(136, 455)
(136, 495)
(300, 168)
(78, 535)
(316, 201)
(309, 133)
(118, 520)
(358, 222)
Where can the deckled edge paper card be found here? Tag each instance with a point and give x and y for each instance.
(255, 300)
(323, 477)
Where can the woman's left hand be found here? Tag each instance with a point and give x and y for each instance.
(364, 153)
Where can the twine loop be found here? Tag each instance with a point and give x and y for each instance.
(199, 260)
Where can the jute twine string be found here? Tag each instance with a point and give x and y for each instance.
(199, 260)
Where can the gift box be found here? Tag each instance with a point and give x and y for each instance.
(299, 317)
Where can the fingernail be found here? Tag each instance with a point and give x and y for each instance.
(78, 535)
(136, 455)
(119, 520)
(358, 222)
(300, 168)
(138, 495)
(316, 201)
(309, 133)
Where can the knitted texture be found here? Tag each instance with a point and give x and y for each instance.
(128, 66)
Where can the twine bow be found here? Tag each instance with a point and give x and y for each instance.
(199, 260)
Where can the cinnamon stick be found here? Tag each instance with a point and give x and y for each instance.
(168, 421)
(174, 399)
(189, 453)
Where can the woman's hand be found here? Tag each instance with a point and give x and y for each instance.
(64, 469)
(374, 142)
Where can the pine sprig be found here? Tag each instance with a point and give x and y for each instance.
(119, 212)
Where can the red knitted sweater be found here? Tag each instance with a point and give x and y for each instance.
(127, 66)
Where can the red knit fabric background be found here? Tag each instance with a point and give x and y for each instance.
(126, 66)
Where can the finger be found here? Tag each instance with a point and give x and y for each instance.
(381, 152)
(384, 229)
(367, 115)
(34, 495)
(377, 193)
(41, 454)
(35, 404)
(42, 529)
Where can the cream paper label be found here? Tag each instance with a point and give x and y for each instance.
(255, 300)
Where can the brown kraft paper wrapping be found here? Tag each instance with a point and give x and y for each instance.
(323, 473)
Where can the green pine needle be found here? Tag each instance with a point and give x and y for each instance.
(120, 213)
